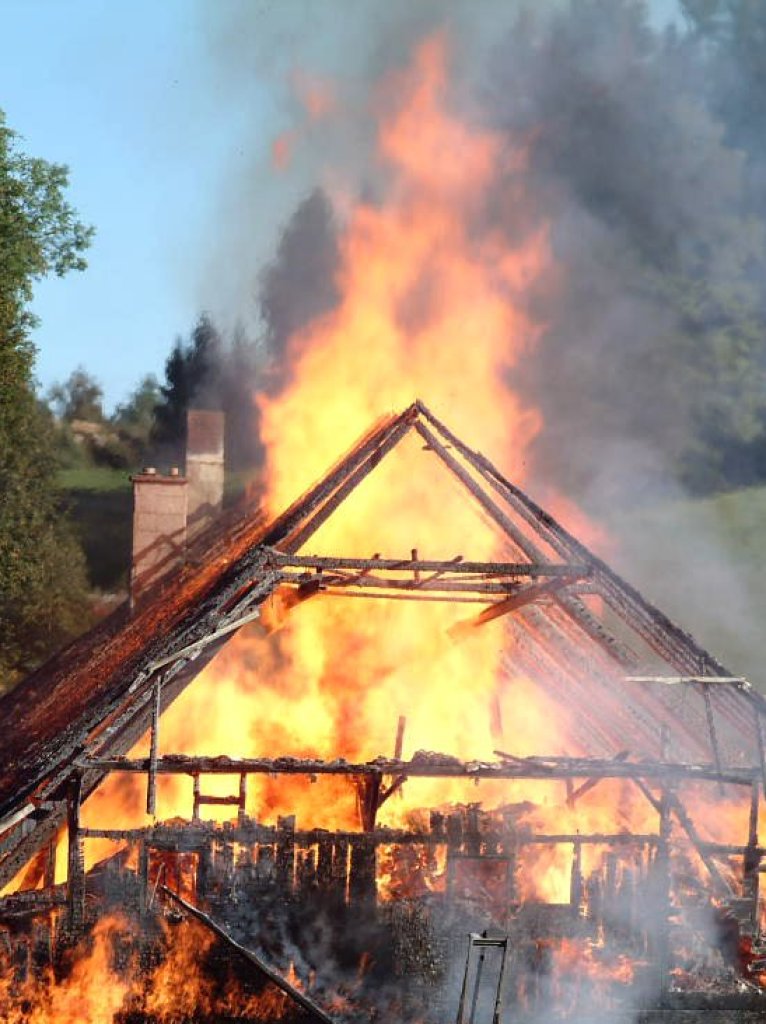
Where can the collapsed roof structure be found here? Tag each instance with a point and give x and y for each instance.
(645, 700)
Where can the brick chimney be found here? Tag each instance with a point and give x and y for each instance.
(204, 467)
(159, 527)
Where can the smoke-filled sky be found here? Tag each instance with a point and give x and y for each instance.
(167, 114)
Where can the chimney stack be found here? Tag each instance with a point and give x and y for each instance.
(159, 527)
(204, 467)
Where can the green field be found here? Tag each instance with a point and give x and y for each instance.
(100, 504)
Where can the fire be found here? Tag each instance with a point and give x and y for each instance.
(432, 305)
(92, 991)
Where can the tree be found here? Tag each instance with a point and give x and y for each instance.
(192, 376)
(211, 372)
(134, 419)
(651, 362)
(78, 398)
(43, 598)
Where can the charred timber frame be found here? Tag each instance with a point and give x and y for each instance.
(540, 768)
(142, 687)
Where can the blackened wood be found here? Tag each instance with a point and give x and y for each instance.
(75, 859)
(752, 858)
(461, 567)
(361, 876)
(314, 1010)
(285, 854)
(523, 596)
(151, 779)
(711, 729)
(441, 766)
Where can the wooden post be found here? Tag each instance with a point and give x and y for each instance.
(399, 745)
(711, 729)
(415, 572)
(75, 858)
(285, 853)
(368, 800)
(242, 806)
(195, 808)
(575, 885)
(143, 877)
(339, 871)
(752, 858)
(662, 882)
(49, 876)
(761, 752)
(324, 864)
(151, 779)
(361, 880)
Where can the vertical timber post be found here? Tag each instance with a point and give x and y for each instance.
(575, 885)
(151, 779)
(752, 859)
(75, 889)
(662, 881)
(143, 877)
(242, 805)
(195, 805)
(49, 876)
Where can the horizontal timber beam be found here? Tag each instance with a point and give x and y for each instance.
(520, 768)
(277, 559)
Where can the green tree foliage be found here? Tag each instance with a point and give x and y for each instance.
(42, 574)
(735, 33)
(210, 372)
(80, 397)
(133, 420)
(191, 377)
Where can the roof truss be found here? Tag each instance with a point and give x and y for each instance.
(541, 589)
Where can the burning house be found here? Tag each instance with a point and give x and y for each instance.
(509, 788)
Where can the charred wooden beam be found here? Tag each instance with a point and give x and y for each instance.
(758, 722)
(368, 799)
(465, 585)
(674, 644)
(574, 795)
(711, 728)
(75, 859)
(752, 857)
(522, 569)
(523, 596)
(151, 779)
(313, 1009)
(438, 766)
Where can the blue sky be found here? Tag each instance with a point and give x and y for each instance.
(134, 98)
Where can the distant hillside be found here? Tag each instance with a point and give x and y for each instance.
(704, 563)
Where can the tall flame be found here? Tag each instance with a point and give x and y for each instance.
(432, 306)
